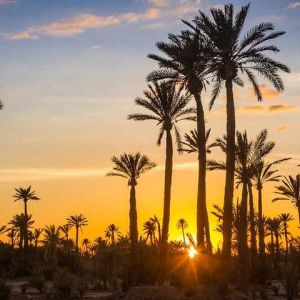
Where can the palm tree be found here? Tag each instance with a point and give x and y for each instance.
(65, 229)
(111, 231)
(36, 235)
(149, 228)
(21, 224)
(232, 54)
(2, 229)
(167, 107)
(11, 235)
(25, 195)
(264, 173)
(285, 218)
(274, 227)
(51, 238)
(182, 225)
(186, 64)
(131, 167)
(156, 222)
(290, 190)
(77, 221)
(86, 244)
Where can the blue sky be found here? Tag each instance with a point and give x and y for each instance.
(70, 70)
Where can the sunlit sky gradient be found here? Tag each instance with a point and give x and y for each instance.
(70, 71)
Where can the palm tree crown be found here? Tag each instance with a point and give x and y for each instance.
(131, 166)
(167, 107)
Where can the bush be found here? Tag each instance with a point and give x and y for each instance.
(4, 290)
(63, 282)
(38, 283)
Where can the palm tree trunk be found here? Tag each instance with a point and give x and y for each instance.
(77, 233)
(286, 243)
(261, 235)
(202, 215)
(242, 238)
(167, 190)
(133, 233)
(252, 223)
(183, 236)
(298, 206)
(230, 160)
(26, 229)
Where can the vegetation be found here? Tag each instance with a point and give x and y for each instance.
(257, 249)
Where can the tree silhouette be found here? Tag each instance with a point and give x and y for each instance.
(186, 64)
(182, 225)
(232, 54)
(77, 221)
(131, 167)
(289, 190)
(65, 229)
(156, 221)
(36, 235)
(285, 219)
(149, 229)
(25, 195)
(166, 107)
(111, 231)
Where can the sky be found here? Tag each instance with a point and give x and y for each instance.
(70, 71)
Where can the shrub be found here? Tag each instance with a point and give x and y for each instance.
(63, 282)
(82, 286)
(38, 283)
(4, 290)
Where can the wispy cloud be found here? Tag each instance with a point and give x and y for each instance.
(85, 22)
(282, 128)
(294, 5)
(267, 109)
(281, 107)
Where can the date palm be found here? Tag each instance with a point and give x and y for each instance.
(166, 106)
(25, 195)
(274, 227)
(289, 190)
(156, 222)
(86, 243)
(232, 55)
(131, 167)
(2, 229)
(111, 232)
(65, 229)
(149, 229)
(182, 225)
(285, 219)
(51, 238)
(185, 63)
(77, 221)
(264, 172)
(21, 224)
(36, 235)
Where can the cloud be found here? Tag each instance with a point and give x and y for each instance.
(294, 5)
(21, 36)
(267, 93)
(85, 22)
(280, 107)
(258, 108)
(6, 2)
(96, 46)
(282, 128)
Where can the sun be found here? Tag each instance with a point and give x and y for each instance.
(192, 252)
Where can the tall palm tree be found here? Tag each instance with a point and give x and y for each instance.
(285, 219)
(65, 229)
(25, 195)
(166, 107)
(290, 190)
(131, 167)
(77, 221)
(182, 225)
(149, 228)
(186, 64)
(111, 231)
(264, 173)
(232, 54)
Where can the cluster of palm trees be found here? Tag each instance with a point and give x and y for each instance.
(211, 52)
